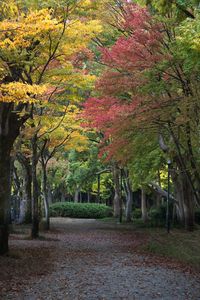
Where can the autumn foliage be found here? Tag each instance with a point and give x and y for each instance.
(121, 104)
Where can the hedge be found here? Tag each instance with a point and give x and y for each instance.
(80, 210)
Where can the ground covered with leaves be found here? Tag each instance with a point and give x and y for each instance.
(89, 259)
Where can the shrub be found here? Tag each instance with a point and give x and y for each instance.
(137, 213)
(157, 216)
(80, 210)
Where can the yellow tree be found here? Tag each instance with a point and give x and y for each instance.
(36, 44)
(57, 131)
(58, 134)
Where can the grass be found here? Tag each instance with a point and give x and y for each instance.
(179, 244)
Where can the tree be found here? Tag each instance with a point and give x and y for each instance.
(149, 86)
(35, 47)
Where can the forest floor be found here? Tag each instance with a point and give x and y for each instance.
(89, 259)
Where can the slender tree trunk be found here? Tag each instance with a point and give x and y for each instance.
(35, 210)
(129, 199)
(81, 198)
(62, 198)
(25, 204)
(45, 195)
(50, 196)
(88, 197)
(16, 195)
(5, 164)
(98, 187)
(28, 193)
(76, 195)
(144, 206)
(15, 180)
(158, 200)
(129, 206)
(116, 202)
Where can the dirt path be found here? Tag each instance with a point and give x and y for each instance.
(87, 259)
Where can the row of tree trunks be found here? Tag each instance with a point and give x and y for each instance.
(182, 179)
(185, 199)
(129, 196)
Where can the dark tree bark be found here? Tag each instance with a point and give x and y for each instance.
(10, 123)
(9, 130)
(5, 163)
(188, 204)
(35, 190)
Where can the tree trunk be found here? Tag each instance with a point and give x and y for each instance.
(81, 198)
(35, 212)
(50, 196)
(158, 201)
(98, 187)
(129, 199)
(76, 195)
(25, 204)
(62, 198)
(5, 164)
(188, 204)
(10, 123)
(178, 193)
(88, 197)
(45, 195)
(144, 206)
(185, 197)
(116, 202)
(28, 193)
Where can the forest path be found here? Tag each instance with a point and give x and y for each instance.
(88, 259)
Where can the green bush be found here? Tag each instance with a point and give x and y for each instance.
(80, 210)
(137, 213)
(157, 216)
